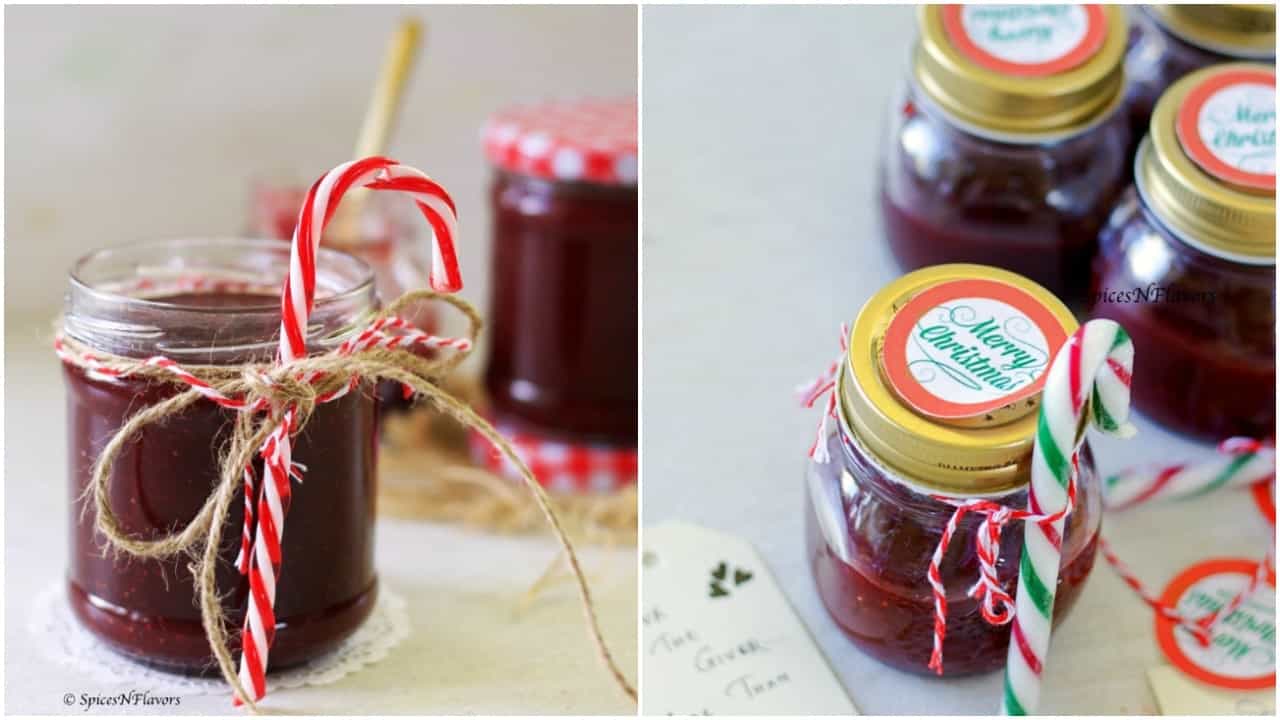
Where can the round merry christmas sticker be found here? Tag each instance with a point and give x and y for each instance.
(1242, 653)
(1026, 40)
(966, 349)
(1227, 126)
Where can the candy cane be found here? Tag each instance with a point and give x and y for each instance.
(322, 200)
(296, 302)
(1088, 381)
(1241, 461)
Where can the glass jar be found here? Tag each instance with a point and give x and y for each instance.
(1187, 260)
(1006, 150)
(1169, 41)
(212, 302)
(937, 396)
(564, 299)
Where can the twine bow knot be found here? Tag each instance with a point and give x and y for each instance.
(272, 403)
(995, 603)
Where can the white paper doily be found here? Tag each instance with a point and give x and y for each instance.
(65, 641)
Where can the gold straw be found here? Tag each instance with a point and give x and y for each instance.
(380, 117)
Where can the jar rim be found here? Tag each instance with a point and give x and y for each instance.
(325, 256)
(118, 299)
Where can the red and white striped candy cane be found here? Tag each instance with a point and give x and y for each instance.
(375, 173)
(296, 303)
(1241, 461)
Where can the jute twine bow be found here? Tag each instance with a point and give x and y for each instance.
(274, 398)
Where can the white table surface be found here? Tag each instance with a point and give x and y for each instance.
(761, 132)
(468, 652)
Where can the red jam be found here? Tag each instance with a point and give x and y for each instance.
(1205, 348)
(564, 321)
(947, 196)
(1158, 56)
(996, 162)
(563, 311)
(145, 608)
(871, 579)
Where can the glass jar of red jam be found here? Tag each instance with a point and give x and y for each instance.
(938, 396)
(563, 313)
(1007, 147)
(1187, 261)
(1169, 41)
(212, 302)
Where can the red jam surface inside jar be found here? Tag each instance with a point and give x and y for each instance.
(948, 195)
(1203, 327)
(870, 539)
(146, 608)
(1156, 58)
(563, 309)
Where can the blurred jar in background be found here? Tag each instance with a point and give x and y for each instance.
(1187, 261)
(563, 313)
(1007, 146)
(383, 232)
(1169, 41)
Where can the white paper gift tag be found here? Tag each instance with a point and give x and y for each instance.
(719, 637)
(1177, 694)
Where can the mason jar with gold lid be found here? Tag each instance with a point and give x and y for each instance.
(1006, 145)
(938, 395)
(1169, 41)
(1187, 261)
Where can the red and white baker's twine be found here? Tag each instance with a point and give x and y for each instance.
(260, 553)
(994, 602)
(1243, 461)
(1248, 462)
(825, 384)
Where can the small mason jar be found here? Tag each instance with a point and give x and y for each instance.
(212, 302)
(1187, 260)
(937, 397)
(1169, 41)
(564, 299)
(1007, 144)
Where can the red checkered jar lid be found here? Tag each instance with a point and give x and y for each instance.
(586, 141)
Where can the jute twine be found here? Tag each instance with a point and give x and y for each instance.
(426, 472)
(280, 386)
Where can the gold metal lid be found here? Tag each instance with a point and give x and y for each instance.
(1022, 69)
(1207, 167)
(944, 372)
(1246, 31)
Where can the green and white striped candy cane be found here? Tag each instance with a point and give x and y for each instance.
(1088, 384)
